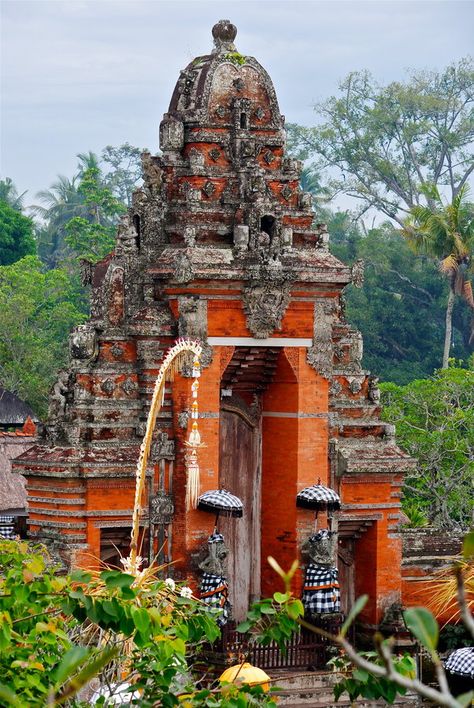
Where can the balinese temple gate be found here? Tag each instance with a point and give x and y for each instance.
(220, 246)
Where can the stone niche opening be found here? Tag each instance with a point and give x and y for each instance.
(136, 223)
(268, 224)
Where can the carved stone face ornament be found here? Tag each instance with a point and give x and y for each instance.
(265, 306)
(83, 344)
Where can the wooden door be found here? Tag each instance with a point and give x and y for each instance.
(240, 474)
(346, 573)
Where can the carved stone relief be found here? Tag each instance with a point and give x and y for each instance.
(192, 322)
(320, 355)
(265, 304)
(357, 273)
(163, 448)
(83, 344)
(126, 241)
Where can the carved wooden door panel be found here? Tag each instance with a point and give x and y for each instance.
(346, 573)
(240, 470)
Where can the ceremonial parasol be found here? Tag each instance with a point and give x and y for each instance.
(319, 498)
(461, 662)
(220, 501)
(246, 673)
(460, 670)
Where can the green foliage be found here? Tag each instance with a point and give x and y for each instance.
(359, 682)
(16, 235)
(446, 233)
(37, 311)
(94, 237)
(61, 203)
(122, 169)
(9, 194)
(423, 626)
(58, 632)
(434, 421)
(236, 58)
(400, 307)
(389, 141)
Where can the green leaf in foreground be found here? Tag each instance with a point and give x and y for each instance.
(423, 626)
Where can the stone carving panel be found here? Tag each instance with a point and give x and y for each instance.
(83, 344)
(265, 304)
(320, 355)
(192, 322)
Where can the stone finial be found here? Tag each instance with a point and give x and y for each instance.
(224, 33)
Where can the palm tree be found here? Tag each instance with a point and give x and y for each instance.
(9, 194)
(87, 160)
(446, 232)
(62, 202)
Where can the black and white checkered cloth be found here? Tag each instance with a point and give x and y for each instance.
(216, 537)
(461, 662)
(214, 591)
(7, 527)
(220, 501)
(321, 592)
(318, 497)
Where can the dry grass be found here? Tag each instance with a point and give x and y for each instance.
(443, 600)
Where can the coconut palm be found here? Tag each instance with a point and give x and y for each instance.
(446, 232)
(61, 203)
(9, 194)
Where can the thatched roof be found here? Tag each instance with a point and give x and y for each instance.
(13, 411)
(13, 497)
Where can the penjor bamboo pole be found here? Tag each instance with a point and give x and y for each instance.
(171, 363)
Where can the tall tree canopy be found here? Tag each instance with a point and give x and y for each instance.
(16, 234)
(78, 215)
(387, 142)
(9, 194)
(446, 232)
(37, 312)
(434, 419)
(400, 308)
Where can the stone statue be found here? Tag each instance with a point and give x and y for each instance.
(126, 236)
(321, 548)
(214, 590)
(321, 594)
(57, 397)
(374, 391)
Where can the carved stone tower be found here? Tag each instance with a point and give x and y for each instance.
(220, 245)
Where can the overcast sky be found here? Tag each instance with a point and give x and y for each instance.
(79, 75)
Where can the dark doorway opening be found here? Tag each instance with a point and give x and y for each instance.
(244, 121)
(267, 224)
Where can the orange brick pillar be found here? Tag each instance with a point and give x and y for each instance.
(378, 552)
(294, 455)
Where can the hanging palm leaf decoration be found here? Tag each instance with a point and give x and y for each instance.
(175, 359)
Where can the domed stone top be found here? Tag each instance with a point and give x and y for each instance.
(224, 33)
(224, 87)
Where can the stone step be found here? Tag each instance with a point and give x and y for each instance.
(315, 690)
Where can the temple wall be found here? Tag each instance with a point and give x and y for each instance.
(424, 552)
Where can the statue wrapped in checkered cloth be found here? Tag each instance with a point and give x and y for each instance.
(321, 593)
(213, 589)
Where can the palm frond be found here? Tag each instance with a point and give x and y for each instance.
(443, 591)
(449, 265)
(468, 294)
